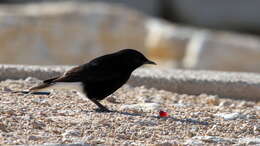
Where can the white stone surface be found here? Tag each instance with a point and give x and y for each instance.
(223, 84)
(223, 51)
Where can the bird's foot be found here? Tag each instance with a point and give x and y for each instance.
(102, 110)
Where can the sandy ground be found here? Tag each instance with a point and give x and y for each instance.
(64, 117)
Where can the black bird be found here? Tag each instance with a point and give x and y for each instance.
(100, 77)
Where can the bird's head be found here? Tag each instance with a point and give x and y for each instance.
(134, 58)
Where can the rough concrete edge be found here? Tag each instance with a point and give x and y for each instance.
(231, 85)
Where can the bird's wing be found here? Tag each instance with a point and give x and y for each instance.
(50, 80)
(72, 75)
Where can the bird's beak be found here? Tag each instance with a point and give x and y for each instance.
(149, 62)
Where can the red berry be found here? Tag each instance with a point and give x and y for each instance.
(163, 114)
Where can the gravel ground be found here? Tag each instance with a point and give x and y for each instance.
(64, 117)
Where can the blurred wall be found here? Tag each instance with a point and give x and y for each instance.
(68, 33)
(236, 15)
(150, 7)
(74, 33)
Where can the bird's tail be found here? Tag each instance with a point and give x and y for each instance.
(37, 90)
(40, 87)
(34, 93)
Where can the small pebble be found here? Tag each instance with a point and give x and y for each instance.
(71, 133)
(257, 128)
(228, 116)
(213, 100)
(193, 142)
(35, 138)
(214, 139)
(249, 141)
(6, 89)
(224, 103)
(38, 125)
(141, 107)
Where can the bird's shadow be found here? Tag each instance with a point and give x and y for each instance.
(186, 120)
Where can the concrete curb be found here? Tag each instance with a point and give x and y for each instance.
(231, 85)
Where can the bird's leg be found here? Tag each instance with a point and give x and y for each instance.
(101, 108)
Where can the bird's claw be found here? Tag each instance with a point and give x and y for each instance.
(101, 110)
